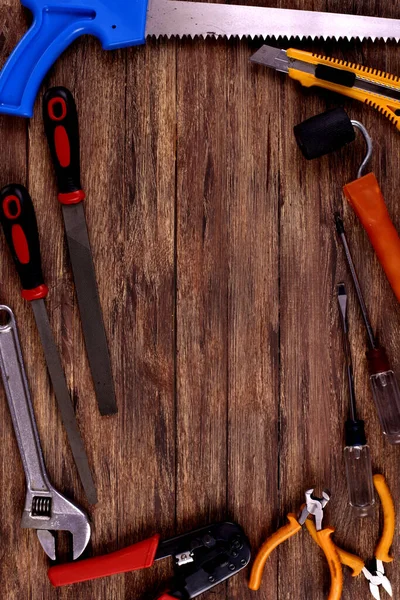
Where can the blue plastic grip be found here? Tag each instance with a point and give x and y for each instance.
(56, 24)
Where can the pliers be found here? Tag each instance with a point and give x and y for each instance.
(375, 575)
(203, 559)
(314, 507)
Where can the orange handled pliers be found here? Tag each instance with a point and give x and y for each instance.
(375, 575)
(314, 507)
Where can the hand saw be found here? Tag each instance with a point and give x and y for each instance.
(120, 23)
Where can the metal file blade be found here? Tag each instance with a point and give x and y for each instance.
(179, 18)
(63, 398)
(89, 306)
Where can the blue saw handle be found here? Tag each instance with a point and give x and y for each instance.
(56, 24)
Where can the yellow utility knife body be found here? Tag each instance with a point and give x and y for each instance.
(375, 88)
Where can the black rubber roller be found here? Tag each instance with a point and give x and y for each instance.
(324, 133)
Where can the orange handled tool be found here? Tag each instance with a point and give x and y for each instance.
(280, 536)
(367, 200)
(375, 575)
(368, 85)
(354, 562)
(315, 507)
(389, 519)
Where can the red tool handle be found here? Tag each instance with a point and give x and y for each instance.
(18, 219)
(133, 558)
(166, 597)
(62, 130)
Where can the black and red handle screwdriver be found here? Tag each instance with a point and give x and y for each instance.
(61, 124)
(62, 129)
(18, 219)
(20, 229)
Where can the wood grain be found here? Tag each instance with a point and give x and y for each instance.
(217, 264)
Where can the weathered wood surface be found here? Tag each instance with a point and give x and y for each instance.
(217, 264)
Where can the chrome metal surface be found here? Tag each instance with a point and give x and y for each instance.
(46, 510)
(179, 18)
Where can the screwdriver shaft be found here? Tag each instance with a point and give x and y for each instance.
(342, 300)
(350, 262)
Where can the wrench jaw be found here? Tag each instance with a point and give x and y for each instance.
(58, 514)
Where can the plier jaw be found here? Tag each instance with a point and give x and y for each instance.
(315, 507)
(205, 558)
(377, 578)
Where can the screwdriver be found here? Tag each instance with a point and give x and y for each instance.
(385, 389)
(356, 453)
(18, 219)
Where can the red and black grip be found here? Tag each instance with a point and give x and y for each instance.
(62, 130)
(18, 219)
(133, 558)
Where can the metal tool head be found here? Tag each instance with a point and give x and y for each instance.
(377, 578)
(315, 506)
(368, 141)
(206, 557)
(49, 512)
(270, 56)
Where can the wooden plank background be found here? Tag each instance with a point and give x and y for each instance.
(217, 263)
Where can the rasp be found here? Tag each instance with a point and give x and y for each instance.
(62, 130)
(18, 219)
(121, 23)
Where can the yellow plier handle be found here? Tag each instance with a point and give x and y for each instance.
(284, 533)
(389, 519)
(323, 539)
(354, 562)
(331, 554)
(390, 107)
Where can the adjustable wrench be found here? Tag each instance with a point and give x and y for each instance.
(46, 510)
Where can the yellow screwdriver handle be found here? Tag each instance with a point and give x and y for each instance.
(284, 533)
(326, 543)
(354, 562)
(389, 519)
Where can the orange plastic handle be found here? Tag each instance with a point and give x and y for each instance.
(367, 200)
(326, 543)
(354, 562)
(389, 519)
(284, 533)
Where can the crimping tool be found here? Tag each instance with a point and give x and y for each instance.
(203, 559)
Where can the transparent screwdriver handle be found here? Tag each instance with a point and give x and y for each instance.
(386, 393)
(385, 390)
(359, 479)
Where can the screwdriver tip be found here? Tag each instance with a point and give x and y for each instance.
(339, 224)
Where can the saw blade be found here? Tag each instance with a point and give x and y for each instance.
(179, 18)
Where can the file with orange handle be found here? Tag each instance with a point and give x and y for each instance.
(283, 534)
(367, 200)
